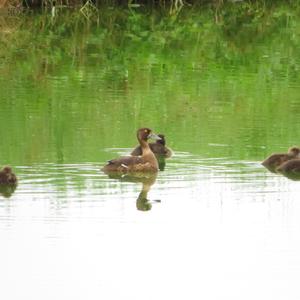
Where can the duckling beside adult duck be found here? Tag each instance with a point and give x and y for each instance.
(7, 177)
(147, 162)
(277, 159)
(158, 148)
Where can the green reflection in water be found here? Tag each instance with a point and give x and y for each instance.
(71, 89)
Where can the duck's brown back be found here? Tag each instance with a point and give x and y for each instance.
(275, 160)
(137, 151)
(292, 165)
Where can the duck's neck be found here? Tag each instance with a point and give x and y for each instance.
(147, 153)
(145, 148)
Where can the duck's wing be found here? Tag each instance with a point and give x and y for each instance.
(275, 159)
(290, 166)
(12, 178)
(126, 161)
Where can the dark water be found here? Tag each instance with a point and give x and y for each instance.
(214, 224)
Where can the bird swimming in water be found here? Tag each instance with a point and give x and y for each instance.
(7, 176)
(277, 159)
(147, 162)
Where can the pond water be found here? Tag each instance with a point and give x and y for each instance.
(214, 224)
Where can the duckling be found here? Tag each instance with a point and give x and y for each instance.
(147, 162)
(277, 159)
(7, 176)
(158, 148)
(290, 166)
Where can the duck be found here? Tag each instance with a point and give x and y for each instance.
(158, 148)
(277, 159)
(290, 166)
(7, 177)
(147, 162)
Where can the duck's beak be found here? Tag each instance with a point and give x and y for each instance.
(154, 136)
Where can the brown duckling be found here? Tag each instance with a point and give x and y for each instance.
(158, 148)
(147, 162)
(7, 176)
(290, 166)
(277, 159)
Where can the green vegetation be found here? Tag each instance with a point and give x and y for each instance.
(71, 85)
(37, 44)
(173, 6)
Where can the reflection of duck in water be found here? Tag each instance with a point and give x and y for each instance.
(147, 162)
(290, 169)
(7, 190)
(142, 203)
(160, 150)
(161, 162)
(277, 159)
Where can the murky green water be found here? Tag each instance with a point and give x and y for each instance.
(216, 225)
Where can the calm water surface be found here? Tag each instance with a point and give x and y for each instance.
(214, 224)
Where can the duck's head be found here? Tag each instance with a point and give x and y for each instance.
(162, 139)
(144, 134)
(7, 169)
(294, 151)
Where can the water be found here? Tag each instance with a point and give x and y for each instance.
(214, 224)
(217, 231)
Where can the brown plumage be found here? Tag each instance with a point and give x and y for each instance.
(277, 159)
(158, 148)
(7, 176)
(147, 162)
(290, 166)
